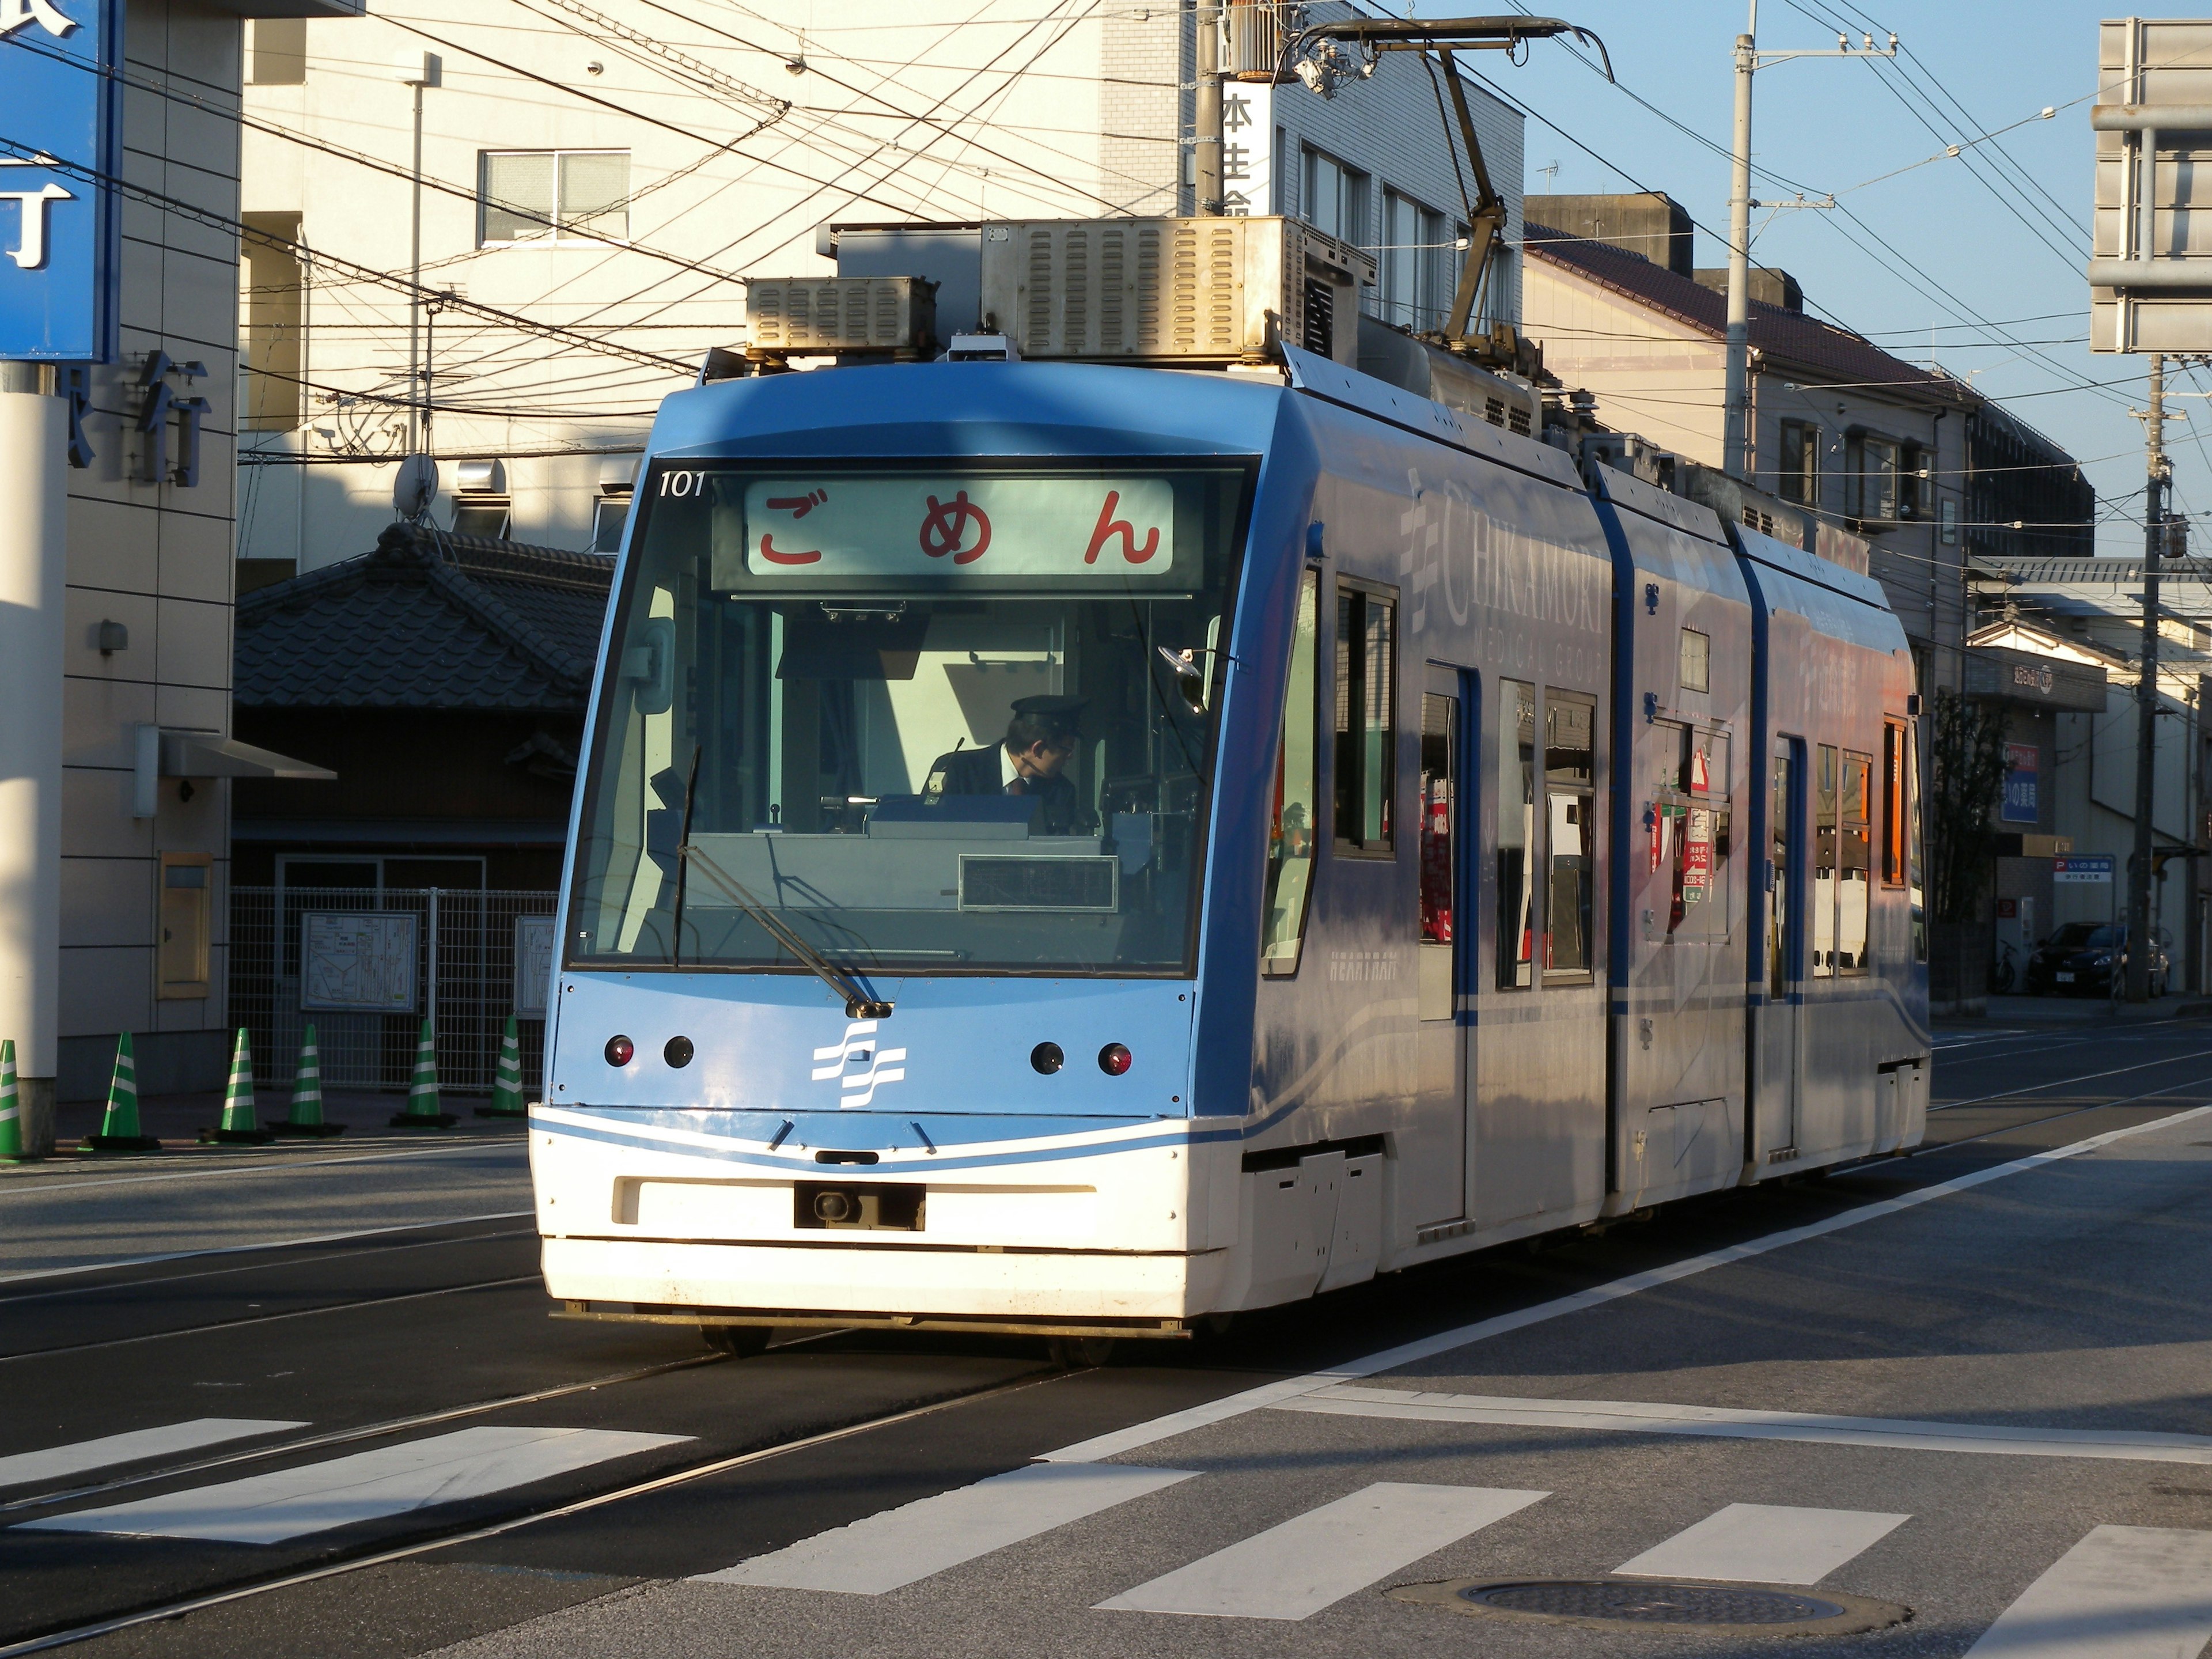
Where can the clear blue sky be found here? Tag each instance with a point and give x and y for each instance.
(1996, 236)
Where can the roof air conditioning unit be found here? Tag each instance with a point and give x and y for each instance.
(1180, 291)
(808, 316)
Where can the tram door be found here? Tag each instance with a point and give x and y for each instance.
(1445, 1035)
(1781, 1060)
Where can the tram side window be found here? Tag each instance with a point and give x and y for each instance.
(1855, 897)
(1893, 802)
(1439, 814)
(1516, 833)
(1366, 718)
(1777, 903)
(1291, 833)
(1569, 777)
(1915, 894)
(1824, 863)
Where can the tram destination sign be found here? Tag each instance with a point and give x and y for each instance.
(965, 528)
(58, 214)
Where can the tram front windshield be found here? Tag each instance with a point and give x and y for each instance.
(931, 720)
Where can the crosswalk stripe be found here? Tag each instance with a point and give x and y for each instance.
(58, 1462)
(898, 1546)
(268, 1509)
(2121, 1593)
(1766, 1544)
(1295, 1569)
(1641, 1417)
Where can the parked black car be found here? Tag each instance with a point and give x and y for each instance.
(2085, 959)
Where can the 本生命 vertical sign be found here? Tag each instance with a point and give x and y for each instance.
(58, 146)
(1248, 149)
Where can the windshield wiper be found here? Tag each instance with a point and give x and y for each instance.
(859, 1004)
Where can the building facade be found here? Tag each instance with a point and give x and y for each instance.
(613, 175)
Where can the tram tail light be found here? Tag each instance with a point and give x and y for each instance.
(619, 1050)
(1114, 1059)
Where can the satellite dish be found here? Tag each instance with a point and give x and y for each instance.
(416, 488)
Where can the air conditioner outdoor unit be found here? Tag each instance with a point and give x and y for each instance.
(1185, 291)
(799, 316)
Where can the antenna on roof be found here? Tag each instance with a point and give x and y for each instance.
(415, 488)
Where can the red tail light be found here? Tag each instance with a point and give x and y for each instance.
(1114, 1059)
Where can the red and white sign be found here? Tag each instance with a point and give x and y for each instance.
(962, 528)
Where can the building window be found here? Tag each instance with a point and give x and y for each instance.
(1335, 199)
(1800, 463)
(608, 514)
(1870, 467)
(1912, 480)
(1416, 265)
(276, 52)
(482, 515)
(553, 195)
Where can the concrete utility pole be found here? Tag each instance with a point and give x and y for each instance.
(1205, 119)
(418, 76)
(1736, 435)
(34, 548)
(2139, 865)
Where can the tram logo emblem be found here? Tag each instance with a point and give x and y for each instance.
(858, 1048)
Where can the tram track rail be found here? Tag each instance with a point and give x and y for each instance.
(2122, 1103)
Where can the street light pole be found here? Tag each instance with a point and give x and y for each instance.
(418, 75)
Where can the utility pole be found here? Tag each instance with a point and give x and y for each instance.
(1206, 117)
(1735, 432)
(2139, 865)
(418, 75)
(1736, 435)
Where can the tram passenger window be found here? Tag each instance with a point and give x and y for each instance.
(1295, 817)
(1893, 802)
(1914, 892)
(1516, 833)
(1439, 815)
(1823, 864)
(1366, 718)
(1777, 902)
(1855, 893)
(1570, 776)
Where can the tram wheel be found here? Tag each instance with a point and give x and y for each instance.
(1079, 1352)
(738, 1341)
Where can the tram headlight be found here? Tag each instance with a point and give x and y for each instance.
(619, 1050)
(1114, 1059)
(830, 1205)
(1046, 1058)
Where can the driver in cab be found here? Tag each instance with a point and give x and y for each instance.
(1032, 760)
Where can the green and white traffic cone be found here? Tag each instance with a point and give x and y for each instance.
(11, 1109)
(506, 1082)
(422, 1111)
(118, 1126)
(306, 1118)
(241, 1123)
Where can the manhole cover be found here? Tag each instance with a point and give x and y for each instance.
(1659, 1604)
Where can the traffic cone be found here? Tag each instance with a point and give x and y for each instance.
(506, 1082)
(11, 1109)
(118, 1126)
(241, 1123)
(306, 1118)
(422, 1111)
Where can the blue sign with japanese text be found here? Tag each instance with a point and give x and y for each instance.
(2020, 794)
(58, 148)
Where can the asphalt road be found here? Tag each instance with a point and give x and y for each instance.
(1965, 1391)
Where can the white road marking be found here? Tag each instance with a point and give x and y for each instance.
(899, 1546)
(1235, 1405)
(1293, 1571)
(1766, 1544)
(2121, 1593)
(268, 1509)
(1730, 1423)
(55, 1462)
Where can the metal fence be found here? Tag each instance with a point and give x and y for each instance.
(366, 968)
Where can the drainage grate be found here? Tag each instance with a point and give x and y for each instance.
(1660, 1605)
(1654, 1604)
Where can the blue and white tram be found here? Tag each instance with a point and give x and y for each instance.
(1086, 850)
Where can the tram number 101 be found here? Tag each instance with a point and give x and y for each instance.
(683, 483)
